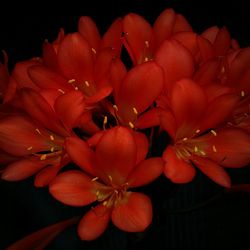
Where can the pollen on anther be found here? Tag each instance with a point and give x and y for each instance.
(146, 59)
(147, 44)
(52, 149)
(105, 120)
(38, 131)
(110, 178)
(51, 137)
(195, 149)
(93, 50)
(213, 132)
(131, 125)
(71, 80)
(29, 148)
(197, 131)
(202, 152)
(86, 83)
(185, 139)
(214, 149)
(97, 193)
(105, 203)
(43, 157)
(94, 179)
(61, 91)
(242, 93)
(135, 111)
(115, 107)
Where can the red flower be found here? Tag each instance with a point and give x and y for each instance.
(191, 121)
(116, 165)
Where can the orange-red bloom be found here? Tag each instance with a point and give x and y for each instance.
(117, 164)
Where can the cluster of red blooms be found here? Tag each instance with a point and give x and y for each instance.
(79, 103)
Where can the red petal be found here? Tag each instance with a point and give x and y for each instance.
(46, 78)
(4, 75)
(17, 134)
(50, 56)
(44, 177)
(188, 102)
(145, 172)
(218, 111)
(222, 42)
(176, 169)
(40, 239)
(94, 223)
(232, 148)
(22, 169)
(115, 155)
(211, 33)
(164, 25)
(138, 31)
(75, 58)
(168, 122)
(99, 95)
(181, 24)
(87, 28)
(37, 107)
(112, 38)
(213, 171)
(144, 81)
(73, 188)
(142, 146)
(134, 214)
(206, 48)
(69, 107)
(80, 153)
(150, 118)
(176, 61)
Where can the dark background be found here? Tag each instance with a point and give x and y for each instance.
(180, 222)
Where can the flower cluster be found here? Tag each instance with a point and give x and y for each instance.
(84, 102)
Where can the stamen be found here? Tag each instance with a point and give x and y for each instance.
(202, 152)
(105, 121)
(146, 59)
(105, 203)
(195, 149)
(61, 91)
(242, 93)
(29, 148)
(71, 80)
(86, 83)
(94, 51)
(197, 131)
(131, 125)
(185, 139)
(43, 157)
(116, 192)
(52, 149)
(38, 131)
(213, 132)
(214, 149)
(51, 137)
(97, 193)
(115, 107)
(76, 88)
(110, 178)
(94, 179)
(147, 44)
(135, 111)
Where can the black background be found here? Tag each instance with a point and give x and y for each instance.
(224, 223)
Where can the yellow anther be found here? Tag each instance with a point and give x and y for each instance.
(97, 193)
(197, 131)
(185, 139)
(105, 203)
(93, 50)
(116, 192)
(135, 111)
(51, 137)
(52, 149)
(110, 178)
(131, 125)
(86, 83)
(61, 91)
(105, 120)
(146, 59)
(147, 44)
(29, 148)
(213, 132)
(71, 80)
(43, 157)
(76, 88)
(242, 93)
(94, 179)
(195, 149)
(115, 107)
(214, 149)
(38, 131)
(202, 152)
